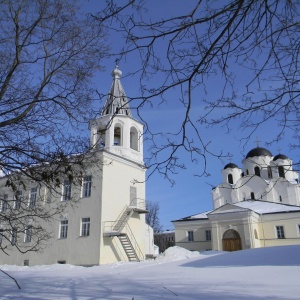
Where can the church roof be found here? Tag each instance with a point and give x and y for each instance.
(230, 165)
(280, 156)
(259, 151)
(116, 101)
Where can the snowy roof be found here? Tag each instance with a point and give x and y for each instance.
(201, 216)
(257, 206)
(265, 207)
(165, 232)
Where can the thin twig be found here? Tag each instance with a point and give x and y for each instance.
(11, 278)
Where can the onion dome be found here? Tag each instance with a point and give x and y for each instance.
(258, 151)
(116, 73)
(280, 156)
(230, 166)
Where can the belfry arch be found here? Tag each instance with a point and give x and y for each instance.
(118, 135)
(134, 139)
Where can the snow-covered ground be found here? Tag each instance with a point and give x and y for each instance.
(268, 273)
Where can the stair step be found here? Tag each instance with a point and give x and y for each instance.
(128, 248)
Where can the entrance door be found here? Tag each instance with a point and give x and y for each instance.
(231, 240)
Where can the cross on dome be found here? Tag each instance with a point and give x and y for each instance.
(257, 141)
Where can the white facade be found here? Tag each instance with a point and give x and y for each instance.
(255, 206)
(107, 222)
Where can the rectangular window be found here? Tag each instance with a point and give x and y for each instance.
(280, 232)
(32, 196)
(208, 235)
(18, 199)
(28, 234)
(63, 229)
(67, 190)
(85, 227)
(87, 185)
(13, 238)
(4, 203)
(26, 263)
(270, 175)
(190, 236)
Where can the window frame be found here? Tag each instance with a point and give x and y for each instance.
(230, 178)
(208, 235)
(14, 236)
(281, 172)
(28, 234)
(86, 186)
(85, 226)
(4, 204)
(270, 173)
(280, 232)
(32, 196)
(190, 236)
(63, 229)
(257, 171)
(18, 199)
(67, 190)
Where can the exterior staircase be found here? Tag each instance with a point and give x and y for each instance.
(123, 219)
(128, 247)
(121, 229)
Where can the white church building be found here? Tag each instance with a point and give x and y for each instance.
(255, 206)
(107, 224)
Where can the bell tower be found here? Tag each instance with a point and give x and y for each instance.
(116, 131)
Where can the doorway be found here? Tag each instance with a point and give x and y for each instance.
(231, 240)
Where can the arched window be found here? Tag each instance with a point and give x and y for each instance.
(247, 172)
(281, 171)
(280, 198)
(102, 138)
(117, 135)
(230, 179)
(134, 139)
(270, 172)
(252, 196)
(257, 171)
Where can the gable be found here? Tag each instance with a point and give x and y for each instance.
(228, 208)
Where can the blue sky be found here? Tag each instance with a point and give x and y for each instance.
(190, 194)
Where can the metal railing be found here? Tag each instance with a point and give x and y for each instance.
(134, 243)
(119, 223)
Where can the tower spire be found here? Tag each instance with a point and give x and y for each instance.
(116, 101)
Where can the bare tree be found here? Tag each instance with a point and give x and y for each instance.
(152, 217)
(247, 51)
(48, 53)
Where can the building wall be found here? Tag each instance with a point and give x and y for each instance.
(110, 193)
(289, 221)
(118, 176)
(198, 227)
(164, 240)
(75, 249)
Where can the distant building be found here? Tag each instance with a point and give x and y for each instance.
(107, 224)
(164, 240)
(256, 206)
